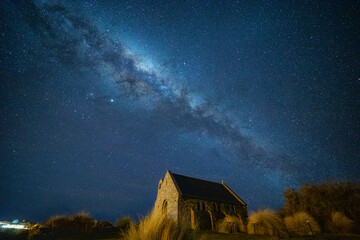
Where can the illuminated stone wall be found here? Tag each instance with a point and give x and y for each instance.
(207, 214)
(167, 197)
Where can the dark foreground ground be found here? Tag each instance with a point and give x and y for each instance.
(243, 236)
(199, 235)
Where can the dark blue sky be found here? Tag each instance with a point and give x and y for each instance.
(99, 99)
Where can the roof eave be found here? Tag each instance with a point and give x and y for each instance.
(234, 194)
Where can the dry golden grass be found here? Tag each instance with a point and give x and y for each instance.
(340, 223)
(156, 226)
(266, 222)
(320, 200)
(123, 224)
(80, 222)
(231, 224)
(301, 223)
(62, 221)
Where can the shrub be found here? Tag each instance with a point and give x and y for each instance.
(34, 230)
(104, 225)
(58, 222)
(80, 223)
(340, 223)
(292, 202)
(301, 223)
(123, 224)
(266, 222)
(321, 200)
(156, 226)
(231, 224)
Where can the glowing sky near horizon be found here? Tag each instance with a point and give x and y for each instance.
(99, 99)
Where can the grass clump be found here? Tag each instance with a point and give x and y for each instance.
(231, 224)
(157, 226)
(78, 223)
(340, 223)
(123, 224)
(266, 222)
(301, 223)
(321, 200)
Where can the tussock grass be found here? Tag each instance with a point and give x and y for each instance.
(266, 222)
(301, 223)
(59, 222)
(340, 223)
(156, 226)
(321, 200)
(123, 224)
(80, 222)
(231, 224)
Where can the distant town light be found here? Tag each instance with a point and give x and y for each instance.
(14, 226)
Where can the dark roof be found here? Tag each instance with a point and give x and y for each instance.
(201, 189)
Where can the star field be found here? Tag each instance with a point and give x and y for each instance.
(99, 99)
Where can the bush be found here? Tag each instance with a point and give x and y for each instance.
(78, 223)
(34, 230)
(292, 202)
(321, 200)
(58, 222)
(301, 223)
(82, 222)
(231, 224)
(123, 224)
(340, 223)
(266, 222)
(156, 226)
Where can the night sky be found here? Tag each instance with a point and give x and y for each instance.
(99, 99)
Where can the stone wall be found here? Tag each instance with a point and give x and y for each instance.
(205, 214)
(167, 197)
(196, 213)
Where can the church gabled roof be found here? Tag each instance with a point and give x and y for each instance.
(206, 190)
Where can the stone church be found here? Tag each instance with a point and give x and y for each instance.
(199, 203)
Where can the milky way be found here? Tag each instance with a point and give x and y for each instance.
(108, 116)
(74, 40)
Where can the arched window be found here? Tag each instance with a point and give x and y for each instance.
(211, 221)
(216, 207)
(164, 207)
(222, 207)
(192, 217)
(227, 208)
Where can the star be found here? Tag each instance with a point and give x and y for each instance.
(243, 92)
